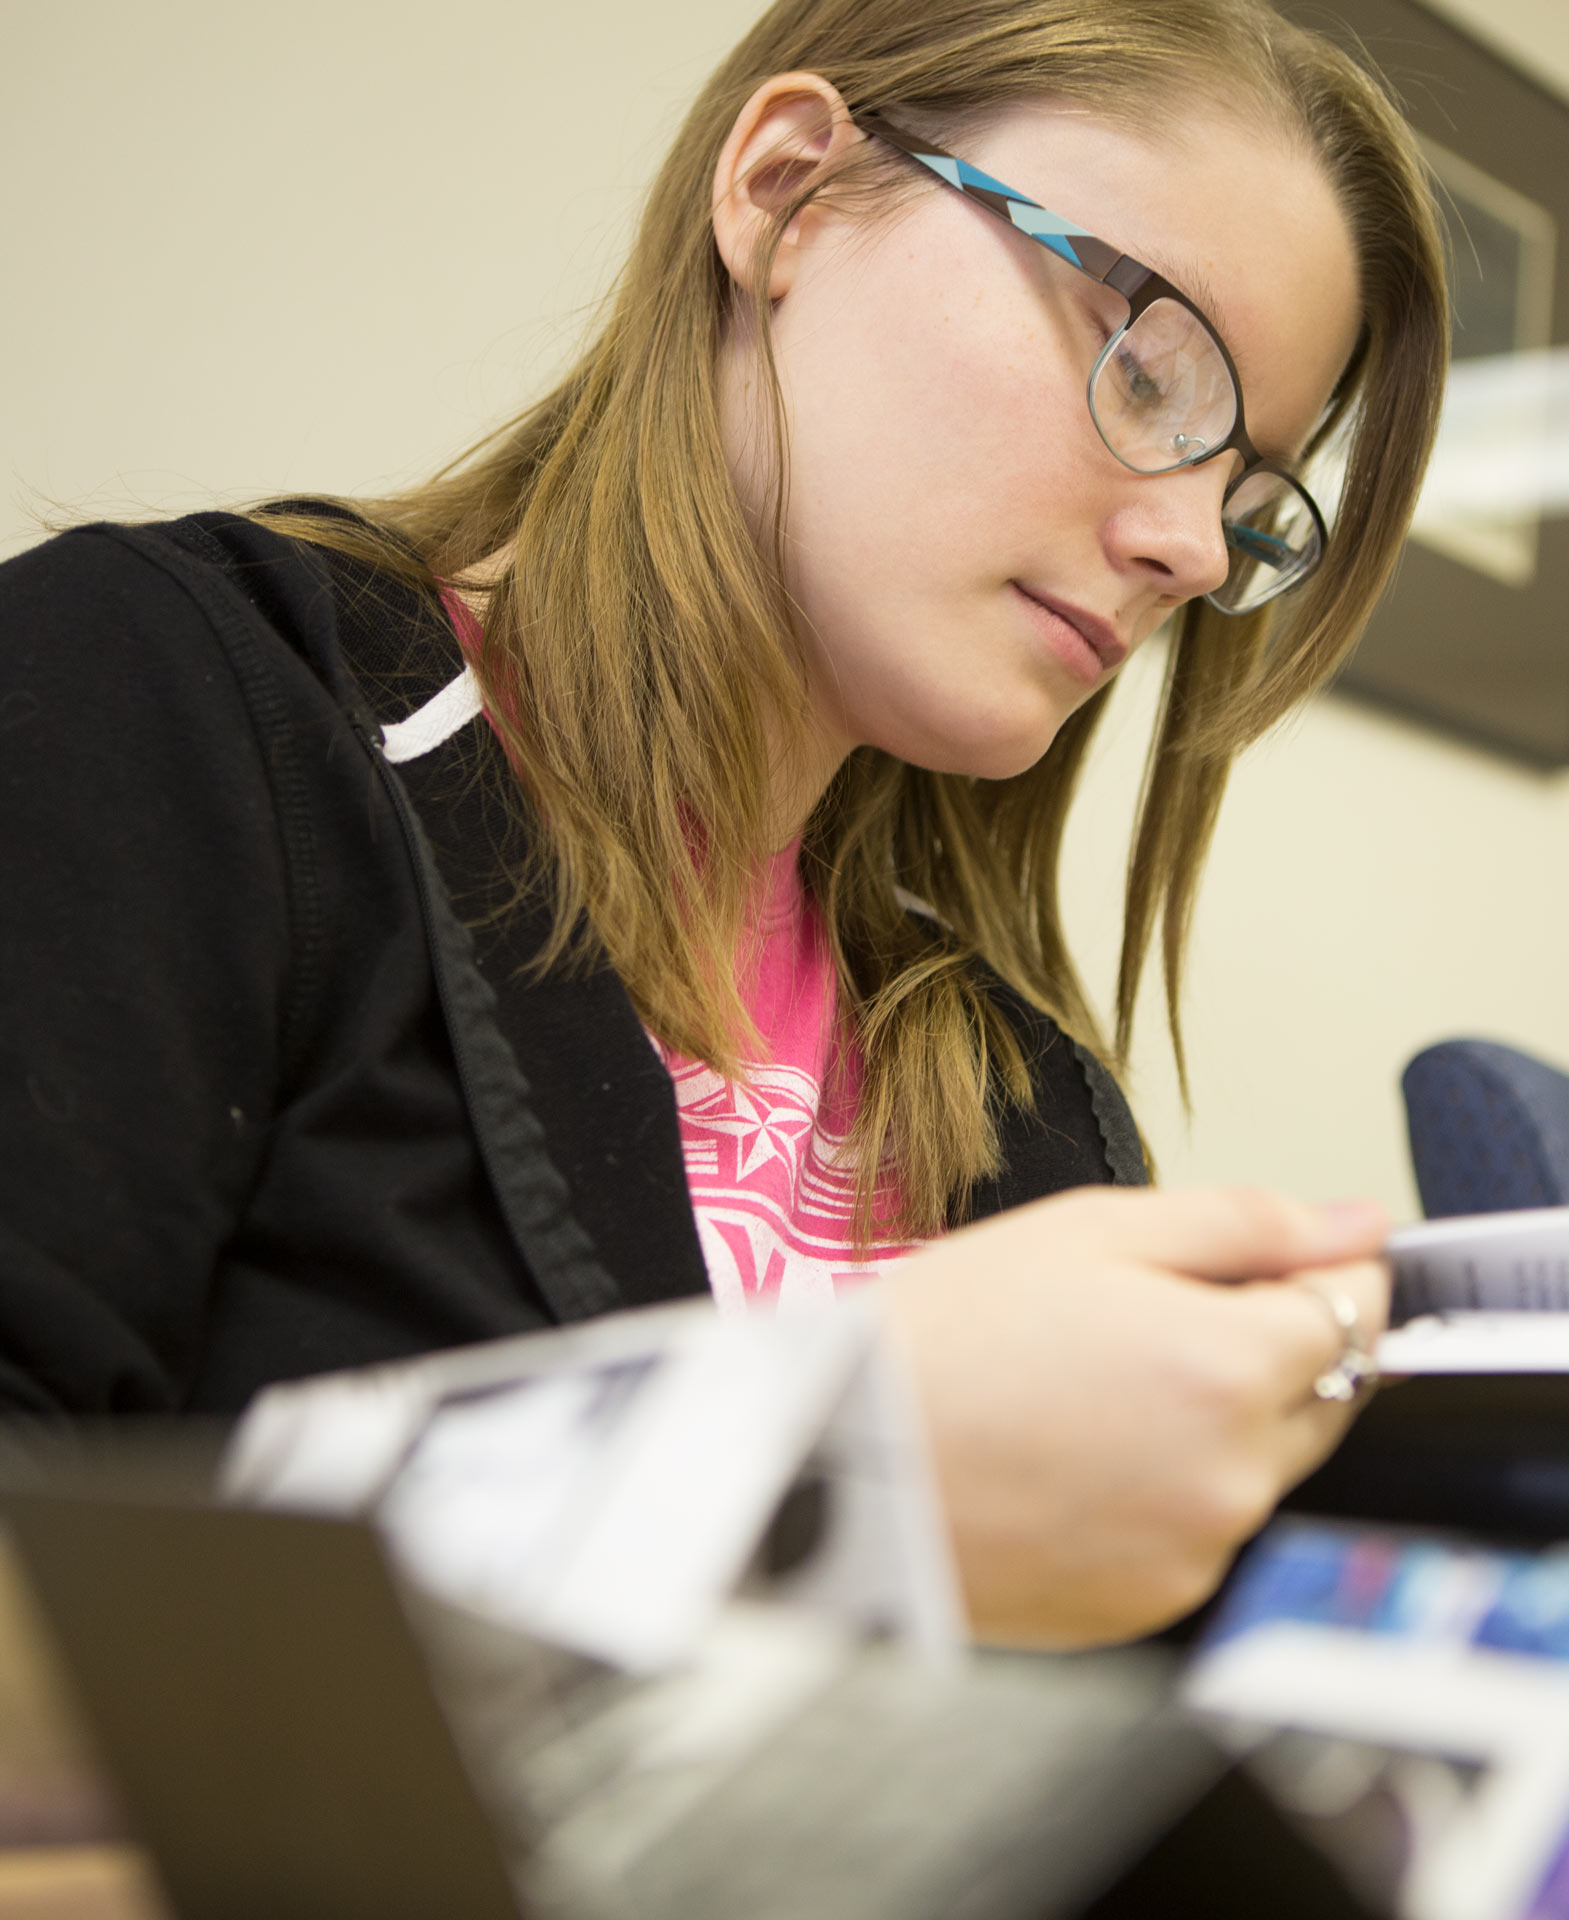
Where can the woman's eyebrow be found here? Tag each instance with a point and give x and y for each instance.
(1192, 281)
(1195, 284)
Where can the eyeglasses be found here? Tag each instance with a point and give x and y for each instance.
(1164, 392)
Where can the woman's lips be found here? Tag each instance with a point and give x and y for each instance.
(1086, 645)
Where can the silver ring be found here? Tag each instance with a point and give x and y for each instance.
(1356, 1367)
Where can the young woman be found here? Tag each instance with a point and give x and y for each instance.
(626, 866)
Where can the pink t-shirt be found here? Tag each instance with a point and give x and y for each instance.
(772, 1185)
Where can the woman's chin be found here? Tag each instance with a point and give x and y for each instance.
(1010, 766)
(996, 753)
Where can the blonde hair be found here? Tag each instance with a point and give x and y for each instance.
(638, 647)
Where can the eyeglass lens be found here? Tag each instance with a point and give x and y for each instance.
(1162, 396)
(1273, 537)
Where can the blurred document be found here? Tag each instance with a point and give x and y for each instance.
(608, 1488)
(1406, 1698)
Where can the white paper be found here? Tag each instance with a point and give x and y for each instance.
(606, 1488)
(1478, 1343)
(1488, 1262)
(1506, 1711)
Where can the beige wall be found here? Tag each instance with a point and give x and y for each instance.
(317, 244)
(324, 252)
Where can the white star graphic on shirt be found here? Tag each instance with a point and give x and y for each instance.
(762, 1133)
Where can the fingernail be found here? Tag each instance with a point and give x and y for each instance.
(1355, 1219)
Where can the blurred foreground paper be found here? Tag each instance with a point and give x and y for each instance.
(606, 1488)
(1407, 1697)
(685, 1598)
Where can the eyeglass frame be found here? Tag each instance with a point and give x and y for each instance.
(1140, 286)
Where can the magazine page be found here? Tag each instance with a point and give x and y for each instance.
(1406, 1698)
(1480, 1293)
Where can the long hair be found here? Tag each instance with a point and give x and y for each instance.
(639, 656)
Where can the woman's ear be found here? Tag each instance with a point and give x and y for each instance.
(792, 127)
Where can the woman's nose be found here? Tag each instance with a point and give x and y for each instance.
(1168, 528)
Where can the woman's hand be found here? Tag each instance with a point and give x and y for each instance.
(1107, 1425)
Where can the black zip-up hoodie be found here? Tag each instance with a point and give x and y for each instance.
(264, 1110)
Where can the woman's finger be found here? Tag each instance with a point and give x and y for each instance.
(1223, 1233)
(1301, 1318)
(1303, 1322)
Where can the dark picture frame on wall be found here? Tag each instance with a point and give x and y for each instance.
(1474, 635)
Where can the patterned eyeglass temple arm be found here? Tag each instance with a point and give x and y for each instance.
(1097, 258)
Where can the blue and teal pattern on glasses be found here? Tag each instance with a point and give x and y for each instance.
(1164, 393)
(1075, 245)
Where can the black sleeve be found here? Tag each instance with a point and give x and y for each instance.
(143, 956)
